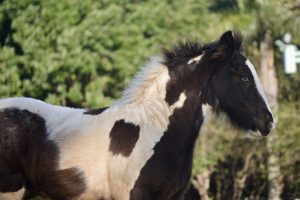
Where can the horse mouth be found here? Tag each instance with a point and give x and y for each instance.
(254, 134)
(262, 131)
(264, 124)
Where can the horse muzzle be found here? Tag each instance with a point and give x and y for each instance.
(264, 124)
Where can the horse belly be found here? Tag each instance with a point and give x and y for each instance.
(96, 180)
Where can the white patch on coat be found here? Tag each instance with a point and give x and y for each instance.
(196, 59)
(258, 84)
(83, 140)
(179, 103)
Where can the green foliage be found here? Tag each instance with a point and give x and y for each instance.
(289, 132)
(214, 143)
(81, 53)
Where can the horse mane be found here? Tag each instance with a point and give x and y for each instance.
(143, 81)
(185, 50)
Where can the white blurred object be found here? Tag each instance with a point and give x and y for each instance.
(291, 55)
(287, 38)
(289, 59)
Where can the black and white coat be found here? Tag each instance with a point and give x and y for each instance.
(141, 147)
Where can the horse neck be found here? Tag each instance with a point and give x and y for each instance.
(179, 123)
(185, 123)
(143, 102)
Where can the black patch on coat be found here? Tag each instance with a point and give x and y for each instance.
(29, 159)
(166, 174)
(95, 111)
(123, 137)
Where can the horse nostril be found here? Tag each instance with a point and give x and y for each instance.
(266, 128)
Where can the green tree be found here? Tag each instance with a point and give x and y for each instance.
(82, 53)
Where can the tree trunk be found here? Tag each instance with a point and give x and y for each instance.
(269, 83)
(201, 183)
(202, 180)
(241, 177)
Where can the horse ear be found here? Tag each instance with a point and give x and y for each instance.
(227, 42)
(227, 39)
(226, 45)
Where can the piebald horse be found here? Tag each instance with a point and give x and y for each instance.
(141, 147)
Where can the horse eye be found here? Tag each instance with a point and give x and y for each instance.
(245, 78)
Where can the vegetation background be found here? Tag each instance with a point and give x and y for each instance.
(83, 53)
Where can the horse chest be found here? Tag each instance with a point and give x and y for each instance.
(166, 174)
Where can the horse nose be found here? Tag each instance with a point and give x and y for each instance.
(269, 127)
(265, 123)
(269, 124)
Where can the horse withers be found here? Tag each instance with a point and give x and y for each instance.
(141, 147)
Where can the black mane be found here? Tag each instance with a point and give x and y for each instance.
(184, 50)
